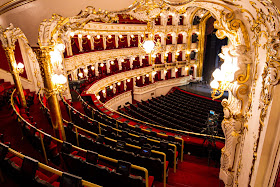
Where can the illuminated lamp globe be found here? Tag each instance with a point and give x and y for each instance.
(218, 75)
(72, 34)
(186, 68)
(80, 35)
(60, 47)
(55, 79)
(103, 91)
(128, 80)
(148, 46)
(80, 75)
(20, 65)
(111, 87)
(132, 36)
(119, 83)
(214, 84)
(138, 78)
(88, 36)
(101, 65)
(98, 97)
(86, 70)
(120, 36)
(92, 68)
(61, 79)
(176, 69)
(112, 62)
(110, 36)
(147, 75)
(98, 36)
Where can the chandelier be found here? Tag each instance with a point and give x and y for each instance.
(149, 45)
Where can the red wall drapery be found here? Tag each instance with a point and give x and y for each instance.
(19, 58)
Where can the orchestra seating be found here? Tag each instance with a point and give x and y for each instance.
(179, 110)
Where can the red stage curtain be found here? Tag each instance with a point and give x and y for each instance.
(180, 39)
(157, 21)
(75, 48)
(181, 20)
(3, 59)
(169, 20)
(86, 44)
(19, 58)
(98, 43)
(110, 42)
(134, 41)
(123, 42)
(168, 39)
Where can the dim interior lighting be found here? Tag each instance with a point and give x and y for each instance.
(92, 67)
(80, 35)
(88, 36)
(98, 36)
(98, 97)
(119, 83)
(72, 34)
(80, 75)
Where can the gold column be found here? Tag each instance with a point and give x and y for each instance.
(9, 51)
(44, 60)
(200, 57)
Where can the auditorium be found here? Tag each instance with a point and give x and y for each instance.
(140, 93)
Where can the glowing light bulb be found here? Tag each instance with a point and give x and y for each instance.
(176, 69)
(147, 75)
(112, 62)
(88, 36)
(80, 75)
(61, 79)
(165, 71)
(110, 36)
(132, 36)
(98, 36)
(98, 97)
(103, 91)
(86, 70)
(138, 78)
(101, 65)
(186, 68)
(214, 84)
(120, 36)
(148, 46)
(119, 83)
(133, 58)
(60, 47)
(20, 65)
(128, 80)
(92, 67)
(55, 78)
(72, 34)
(142, 35)
(111, 87)
(80, 35)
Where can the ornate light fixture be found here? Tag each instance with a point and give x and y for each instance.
(149, 45)
(59, 82)
(223, 77)
(20, 68)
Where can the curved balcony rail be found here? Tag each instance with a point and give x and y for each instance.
(21, 119)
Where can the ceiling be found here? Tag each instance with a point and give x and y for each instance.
(28, 14)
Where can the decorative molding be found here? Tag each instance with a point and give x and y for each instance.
(91, 58)
(13, 4)
(124, 96)
(99, 85)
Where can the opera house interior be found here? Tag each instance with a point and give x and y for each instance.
(140, 93)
